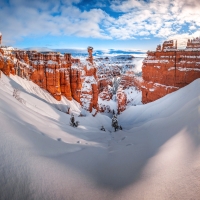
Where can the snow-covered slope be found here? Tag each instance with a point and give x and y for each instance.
(156, 156)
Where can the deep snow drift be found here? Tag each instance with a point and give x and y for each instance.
(156, 156)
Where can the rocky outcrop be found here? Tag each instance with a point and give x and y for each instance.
(167, 69)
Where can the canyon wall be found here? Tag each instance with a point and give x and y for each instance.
(168, 69)
(58, 74)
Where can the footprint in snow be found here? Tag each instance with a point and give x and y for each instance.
(123, 138)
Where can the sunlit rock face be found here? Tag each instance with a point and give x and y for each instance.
(51, 72)
(168, 69)
(6, 62)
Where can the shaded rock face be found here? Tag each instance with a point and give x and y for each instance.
(58, 74)
(51, 72)
(167, 69)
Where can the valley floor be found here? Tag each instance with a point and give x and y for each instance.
(156, 155)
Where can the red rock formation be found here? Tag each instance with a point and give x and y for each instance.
(50, 71)
(167, 69)
(105, 94)
(76, 80)
(8, 67)
(1, 59)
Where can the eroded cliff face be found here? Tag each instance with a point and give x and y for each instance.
(56, 73)
(168, 69)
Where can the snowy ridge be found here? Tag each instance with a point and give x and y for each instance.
(158, 150)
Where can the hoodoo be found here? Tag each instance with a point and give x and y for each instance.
(89, 89)
(168, 69)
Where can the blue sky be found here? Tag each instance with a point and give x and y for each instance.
(106, 24)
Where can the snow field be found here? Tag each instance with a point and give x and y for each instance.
(156, 155)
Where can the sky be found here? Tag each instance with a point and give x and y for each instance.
(105, 24)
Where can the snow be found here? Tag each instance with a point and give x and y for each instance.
(155, 156)
(51, 62)
(38, 62)
(109, 105)
(188, 69)
(184, 69)
(152, 90)
(119, 63)
(166, 86)
(155, 61)
(49, 70)
(134, 96)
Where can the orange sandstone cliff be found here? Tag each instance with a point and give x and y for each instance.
(168, 69)
(58, 74)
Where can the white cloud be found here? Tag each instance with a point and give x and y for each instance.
(37, 18)
(182, 38)
(160, 18)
